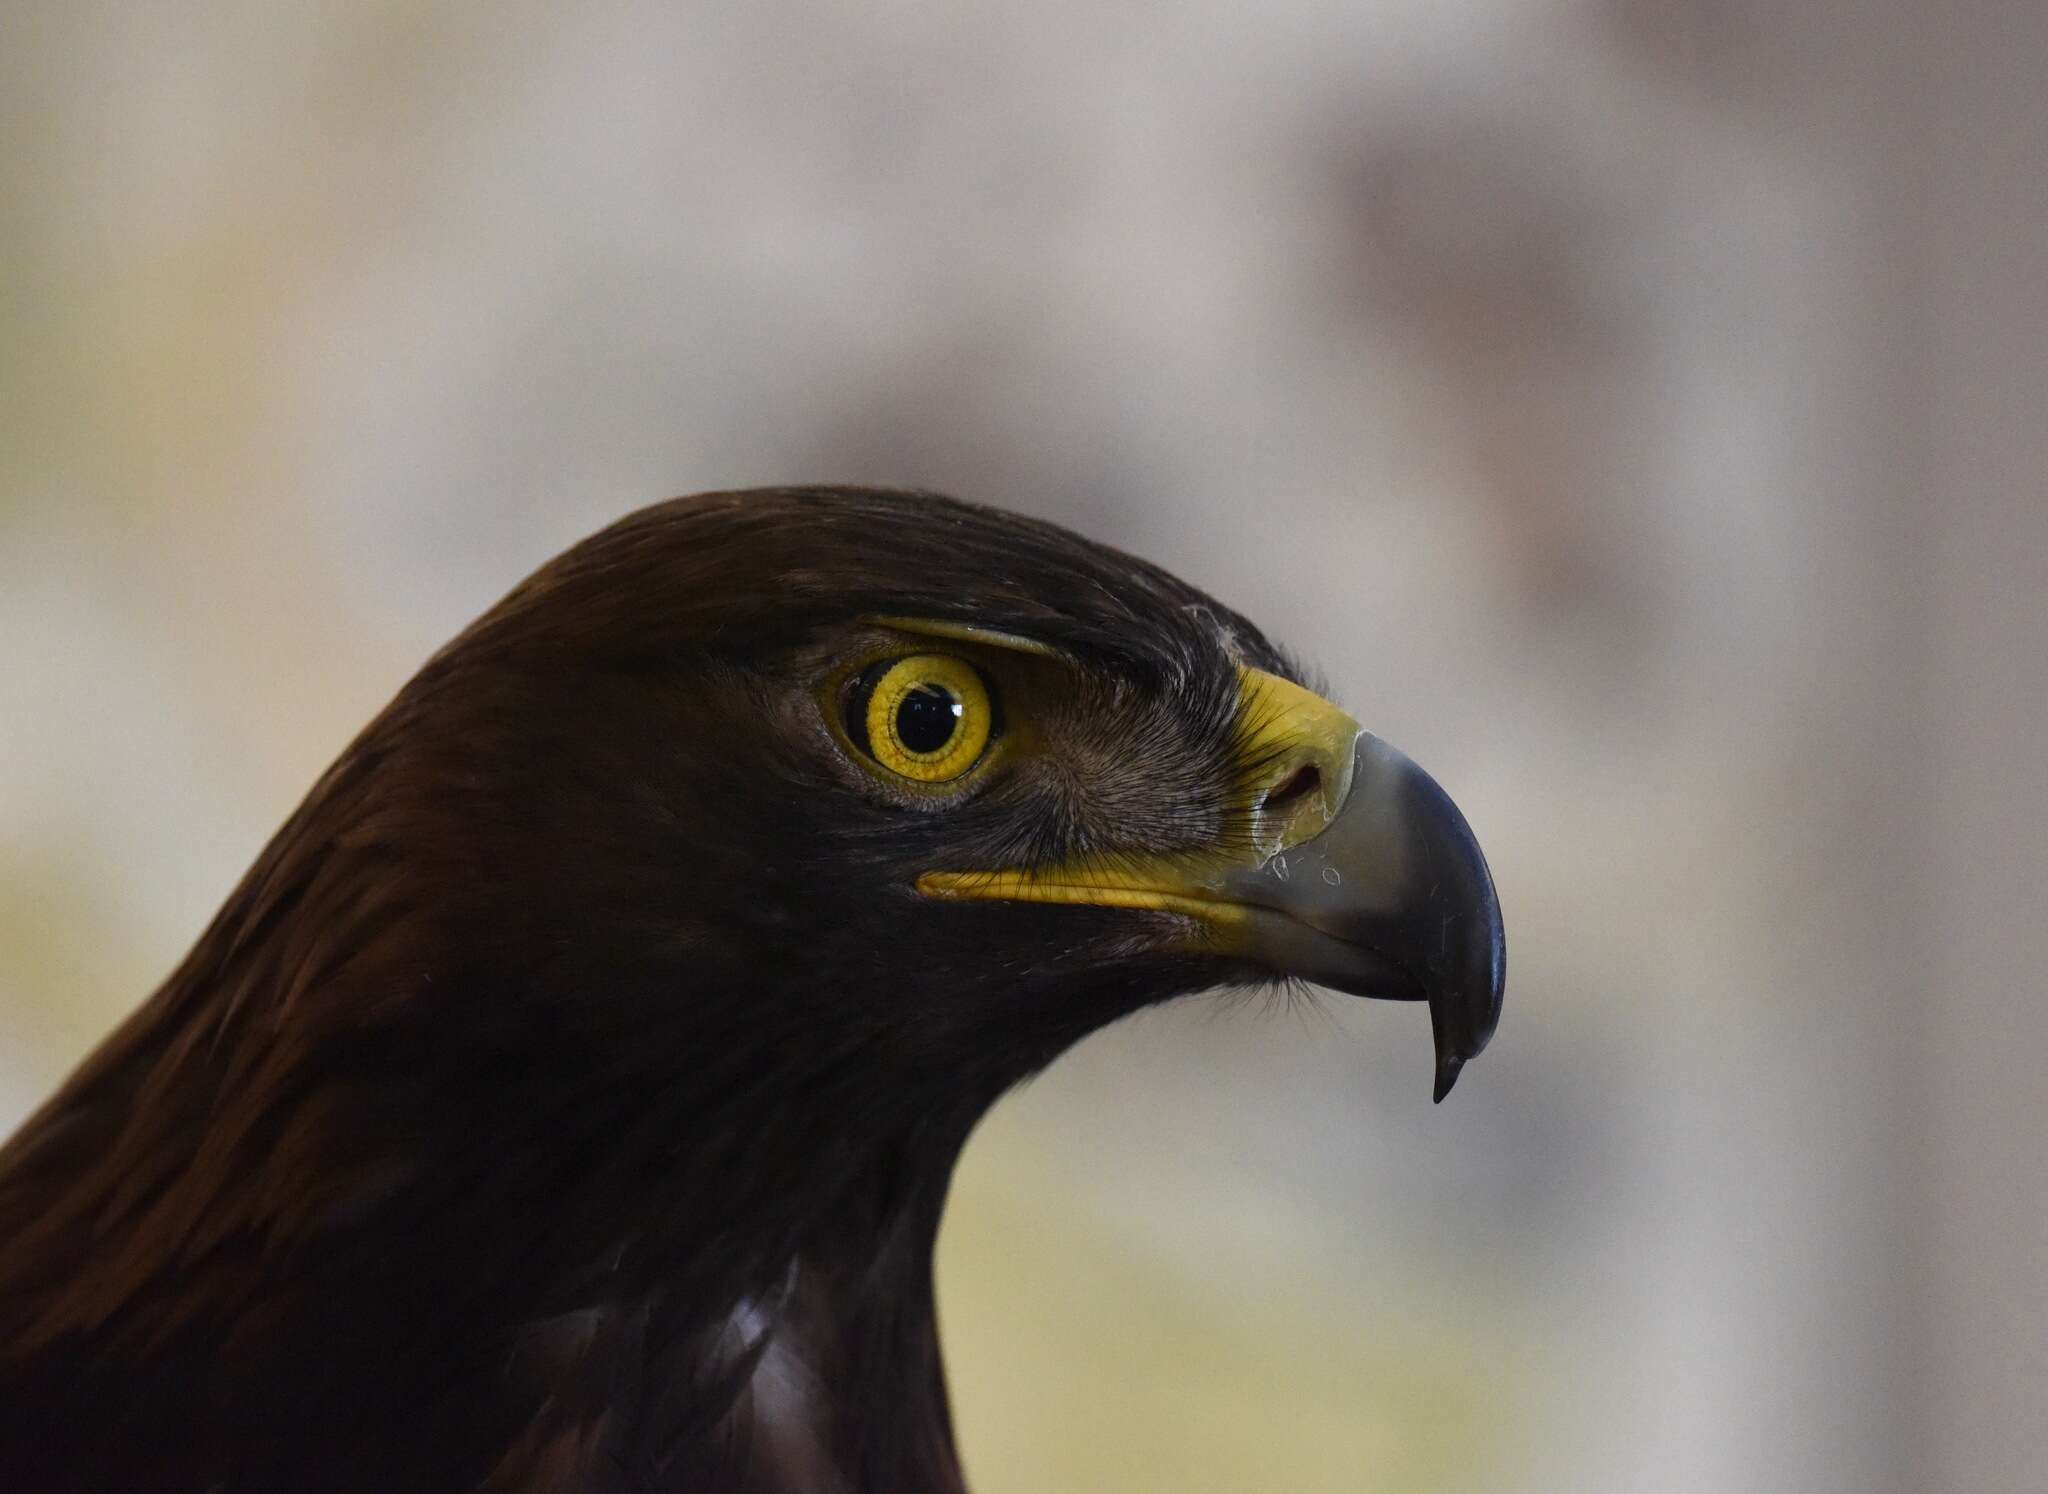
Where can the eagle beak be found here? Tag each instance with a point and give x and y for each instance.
(1360, 874)
(1392, 898)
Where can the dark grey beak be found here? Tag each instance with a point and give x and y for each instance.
(1392, 899)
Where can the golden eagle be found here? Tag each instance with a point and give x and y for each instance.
(566, 1099)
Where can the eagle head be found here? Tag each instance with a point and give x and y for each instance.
(587, 1056)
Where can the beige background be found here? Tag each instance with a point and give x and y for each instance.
(1634, 406)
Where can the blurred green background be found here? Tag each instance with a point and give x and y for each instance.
(1632, 406)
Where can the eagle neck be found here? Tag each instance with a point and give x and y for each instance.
(848, 1395)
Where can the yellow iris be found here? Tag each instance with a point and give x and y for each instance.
(928, 718)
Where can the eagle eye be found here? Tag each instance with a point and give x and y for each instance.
(927, 717)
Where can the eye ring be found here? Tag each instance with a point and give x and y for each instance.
(927, 717)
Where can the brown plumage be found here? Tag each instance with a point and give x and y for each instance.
(566, 1098)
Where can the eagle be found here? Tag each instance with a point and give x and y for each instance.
(566, 1098)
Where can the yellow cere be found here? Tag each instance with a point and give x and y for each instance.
(929, 718)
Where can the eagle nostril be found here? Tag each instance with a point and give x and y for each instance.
(1304, 780)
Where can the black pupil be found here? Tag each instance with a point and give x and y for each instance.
(926, 718)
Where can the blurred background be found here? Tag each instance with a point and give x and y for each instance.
(1635, 407)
